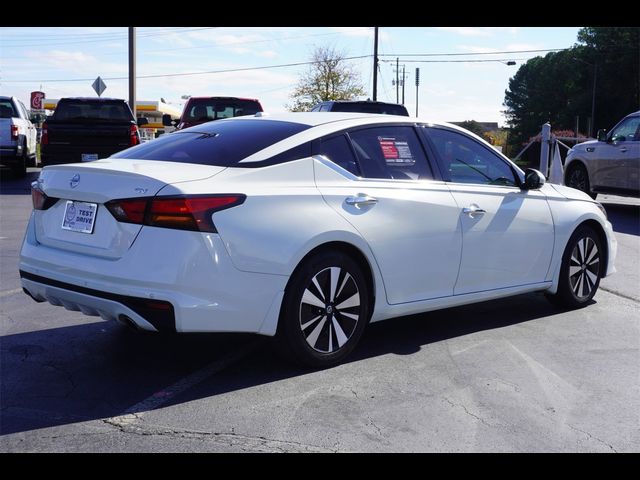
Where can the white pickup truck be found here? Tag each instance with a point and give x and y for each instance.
(17, 136)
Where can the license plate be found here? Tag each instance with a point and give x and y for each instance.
(79, 216)
(89, 157)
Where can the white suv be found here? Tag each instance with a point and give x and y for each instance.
(610, 164)
(17, 136)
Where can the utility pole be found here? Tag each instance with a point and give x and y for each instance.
(593, 100)
(397, 80)
(132, 70)
(375, 64)
(403, 77)
(417, 85)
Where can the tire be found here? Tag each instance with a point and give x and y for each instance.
(318, 329)
(19, 169)
(577, 177)
(581, 269)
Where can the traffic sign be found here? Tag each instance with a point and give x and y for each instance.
(99, 86)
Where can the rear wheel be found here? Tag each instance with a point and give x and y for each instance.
(578, 178)
(19, 169)
(325, 310)
(581, 269)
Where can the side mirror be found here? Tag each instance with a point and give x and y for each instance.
(602, 135)
(167, 121)
(533, 179)
(142, 121)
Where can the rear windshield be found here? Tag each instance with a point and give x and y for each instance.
(370, 108)
(70, 110)
(207, 109)
(222, 144)
(6, 109)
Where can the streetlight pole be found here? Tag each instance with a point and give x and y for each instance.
(132, 70)
(593, 101)
(375, 64)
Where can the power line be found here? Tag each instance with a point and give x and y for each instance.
(230, 70)
(470, 53)
(502, 60)
(114, 36)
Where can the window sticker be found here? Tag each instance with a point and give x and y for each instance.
(396, 152)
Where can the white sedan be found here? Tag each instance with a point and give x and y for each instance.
(306, 226)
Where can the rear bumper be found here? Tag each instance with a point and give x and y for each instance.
(10, 154)
(191, 271)
(146, 314)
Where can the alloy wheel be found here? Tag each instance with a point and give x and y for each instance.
(584, 267)
(330, 310)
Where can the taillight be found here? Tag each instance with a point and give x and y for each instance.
(44, 139)
(14, 132)
(184, 213)
(128, 211)
(134, 137)
(40, 199)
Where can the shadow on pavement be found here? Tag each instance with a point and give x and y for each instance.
(98, 370)
(9, 185)
(624, 218)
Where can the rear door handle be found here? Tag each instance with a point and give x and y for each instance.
(623, 149)
(361, 199)
(472, 210)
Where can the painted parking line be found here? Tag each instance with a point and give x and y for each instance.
(159, 398)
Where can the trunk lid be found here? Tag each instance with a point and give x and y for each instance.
(97, 183)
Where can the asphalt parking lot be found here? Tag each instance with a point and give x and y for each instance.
(513, 375)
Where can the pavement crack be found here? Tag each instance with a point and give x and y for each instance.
(593, 437)
(132, 424)
(480, 419)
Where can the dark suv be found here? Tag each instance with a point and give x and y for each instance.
(205, 109)
(361, 106)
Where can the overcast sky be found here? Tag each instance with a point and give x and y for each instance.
(451, 89)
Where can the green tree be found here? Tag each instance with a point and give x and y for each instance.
(559, 86)
(472, 126)
(329, 77)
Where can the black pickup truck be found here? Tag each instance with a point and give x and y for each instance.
(86, 129)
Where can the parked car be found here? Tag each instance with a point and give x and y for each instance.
(86, 129)
(18, 144)
(610, 164)
(306, 227)
(361, 106)
(199, 110)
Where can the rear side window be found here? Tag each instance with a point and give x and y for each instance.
(338, 150)
(222, 144)
(6, 109)
(207, 109)
(116, 111)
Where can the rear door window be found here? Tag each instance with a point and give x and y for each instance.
(393, 152)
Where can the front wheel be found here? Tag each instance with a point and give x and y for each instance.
(578, 178)
(581, 269)
(325, 310)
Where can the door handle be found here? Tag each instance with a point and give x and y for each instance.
(361, 199)
(623, 149)
(473, 209)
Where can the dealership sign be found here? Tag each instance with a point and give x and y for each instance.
(37, 102)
